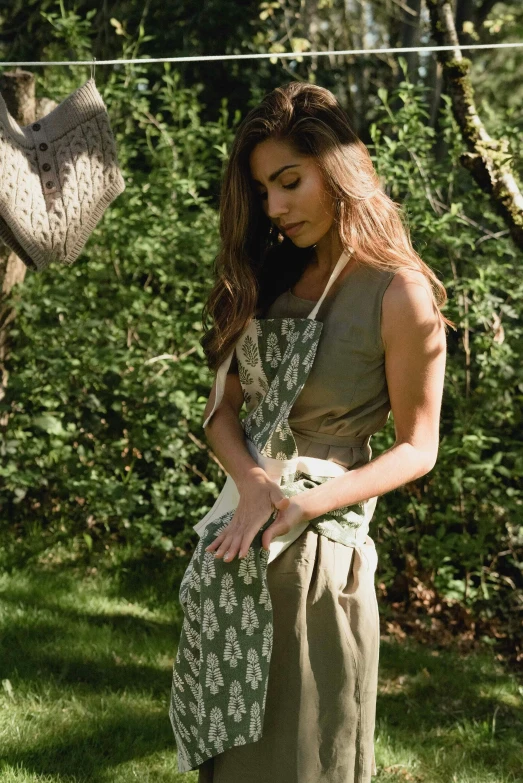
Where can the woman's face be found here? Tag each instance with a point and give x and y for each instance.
(292, 192)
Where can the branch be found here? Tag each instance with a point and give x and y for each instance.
(487, 159)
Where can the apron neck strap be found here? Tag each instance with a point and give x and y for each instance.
(334, 274)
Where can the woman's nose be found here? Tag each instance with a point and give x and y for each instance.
(277, 205)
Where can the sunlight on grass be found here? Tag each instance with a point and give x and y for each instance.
(86, 674)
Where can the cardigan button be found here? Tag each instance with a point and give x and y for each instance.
(36, 126)
(43, 146)
(49, 185)
(46, 167)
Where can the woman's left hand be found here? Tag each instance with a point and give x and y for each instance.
(285, 520)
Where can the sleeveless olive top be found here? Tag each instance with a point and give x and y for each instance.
(345, 399)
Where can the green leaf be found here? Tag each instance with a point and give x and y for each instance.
(50, 424)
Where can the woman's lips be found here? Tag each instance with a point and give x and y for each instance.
(293, 228)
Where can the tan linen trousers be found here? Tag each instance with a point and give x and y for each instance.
(321, 697)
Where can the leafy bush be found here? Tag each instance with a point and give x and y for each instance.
(107, 377)
(459, 528)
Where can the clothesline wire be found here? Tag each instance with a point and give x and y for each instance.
(266, 55)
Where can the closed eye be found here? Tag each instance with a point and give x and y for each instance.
(290, 186)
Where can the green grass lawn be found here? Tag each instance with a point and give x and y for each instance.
(85, 665)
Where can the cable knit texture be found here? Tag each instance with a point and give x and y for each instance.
(57, 177)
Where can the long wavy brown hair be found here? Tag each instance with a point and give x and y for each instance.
(254, 264)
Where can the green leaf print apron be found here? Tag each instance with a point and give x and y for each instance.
(221, 669)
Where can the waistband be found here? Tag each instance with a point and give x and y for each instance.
(312, 466)
(333, 440)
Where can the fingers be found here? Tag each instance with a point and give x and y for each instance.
(229, 548)
(236, 539)
(282, 504)
(279, 527)
(217, 541)
(235, 545)
(221, 544)
(231, 543)
(227, 543)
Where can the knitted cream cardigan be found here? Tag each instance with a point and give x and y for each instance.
(57, 177)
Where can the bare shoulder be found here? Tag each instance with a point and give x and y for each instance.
(409, 310)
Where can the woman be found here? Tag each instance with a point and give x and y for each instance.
(324, 319)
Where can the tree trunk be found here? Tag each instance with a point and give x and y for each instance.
(410, 34)
(18, 90)
(486, 158)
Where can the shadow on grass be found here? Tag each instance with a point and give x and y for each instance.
(91, 651)
(58, 634)
(64, 642)
(45, 637)
(35, 669)
(432, 700)
(88, 751)
(149, 578)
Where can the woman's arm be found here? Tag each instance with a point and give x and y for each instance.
(259, 495)
(224, 431)
(415, 352)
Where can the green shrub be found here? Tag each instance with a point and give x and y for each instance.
(460, 527)
(108, 379)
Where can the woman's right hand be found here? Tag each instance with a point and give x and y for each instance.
(259, 498)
